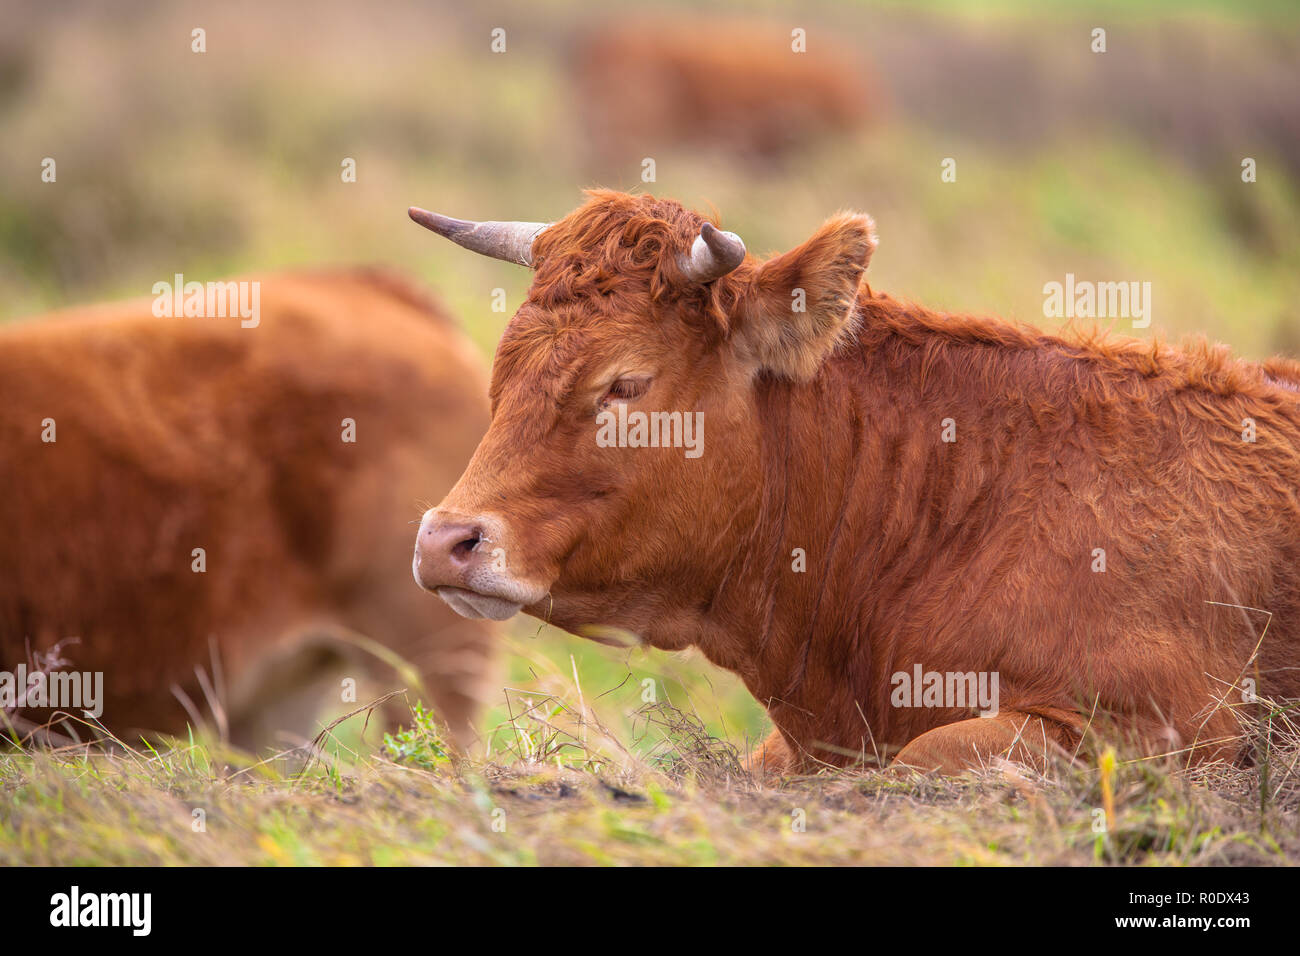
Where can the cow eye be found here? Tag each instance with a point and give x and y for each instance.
(626, 390)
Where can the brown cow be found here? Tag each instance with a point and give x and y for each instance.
(645, 84)
(884, 493)
(177, 434)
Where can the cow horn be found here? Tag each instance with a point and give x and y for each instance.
(509, 241)
(713, 254)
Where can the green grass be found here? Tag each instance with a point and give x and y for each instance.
(565, 788)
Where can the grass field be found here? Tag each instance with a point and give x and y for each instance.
(574, 781)
(1123, 167)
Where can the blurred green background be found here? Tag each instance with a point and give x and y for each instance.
(1117, 166)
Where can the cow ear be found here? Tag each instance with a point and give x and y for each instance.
(796, 307)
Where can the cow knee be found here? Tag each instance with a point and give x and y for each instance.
(773, 756)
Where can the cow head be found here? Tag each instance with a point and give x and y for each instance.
(637, 306)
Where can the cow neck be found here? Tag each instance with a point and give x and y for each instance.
(855, 479)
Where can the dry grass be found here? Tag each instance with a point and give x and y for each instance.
(568, 790)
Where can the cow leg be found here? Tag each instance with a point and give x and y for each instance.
(277, 704)
(974, 743)
(453, 658)
(772, 756)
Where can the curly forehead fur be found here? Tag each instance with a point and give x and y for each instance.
(619, 244)
(617, 254)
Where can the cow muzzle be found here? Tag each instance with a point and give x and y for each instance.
(464, 561)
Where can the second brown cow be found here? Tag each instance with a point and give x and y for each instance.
(215, 515)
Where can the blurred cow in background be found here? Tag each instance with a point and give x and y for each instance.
(743, 87)
(218, 517)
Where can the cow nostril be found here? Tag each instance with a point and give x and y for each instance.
(461, 550)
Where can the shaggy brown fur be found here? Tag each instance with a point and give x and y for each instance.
(824, 436)
(175, 434)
